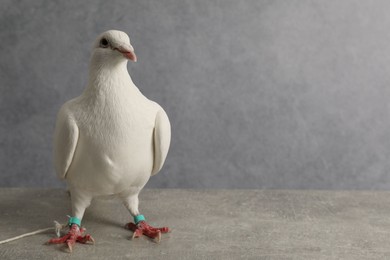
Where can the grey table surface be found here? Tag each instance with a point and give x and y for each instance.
(207, 224)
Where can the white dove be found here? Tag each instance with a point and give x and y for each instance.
(110, 139)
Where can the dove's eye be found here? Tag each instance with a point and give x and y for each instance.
(104, 43)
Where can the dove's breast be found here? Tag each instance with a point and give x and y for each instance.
(115, 147)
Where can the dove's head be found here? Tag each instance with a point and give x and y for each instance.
(113, 47)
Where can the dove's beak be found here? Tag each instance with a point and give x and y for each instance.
(127, 51)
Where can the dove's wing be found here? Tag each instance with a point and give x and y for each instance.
(66, 135)
(162, 139)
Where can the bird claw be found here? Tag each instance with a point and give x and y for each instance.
(143, 228)
(74, 235)
(85, 239)
(158, 238)
(70, 247)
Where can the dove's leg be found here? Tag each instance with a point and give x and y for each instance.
(80, 202)
(140, 226)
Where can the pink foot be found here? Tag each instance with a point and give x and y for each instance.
(74, 235)
(143, 228)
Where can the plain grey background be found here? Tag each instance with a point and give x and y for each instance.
(260, 94)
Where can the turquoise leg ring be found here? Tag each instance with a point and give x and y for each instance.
(74, 220)
(139, 218)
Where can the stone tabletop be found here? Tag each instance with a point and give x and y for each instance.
(207, 224)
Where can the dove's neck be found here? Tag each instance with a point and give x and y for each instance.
(109, 78)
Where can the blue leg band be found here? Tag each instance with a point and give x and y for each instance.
(139, 218)
(74, 220)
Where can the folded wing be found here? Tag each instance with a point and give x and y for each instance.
(162, 140)
(66, 136)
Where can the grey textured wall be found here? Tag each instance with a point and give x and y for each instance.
(261, 94)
